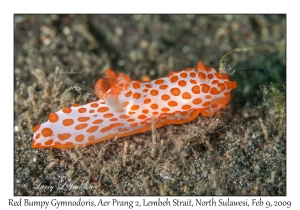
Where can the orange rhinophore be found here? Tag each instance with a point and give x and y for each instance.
(128, 107)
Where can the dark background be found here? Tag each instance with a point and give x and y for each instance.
(240, 151)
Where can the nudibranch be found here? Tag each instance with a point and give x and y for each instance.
(128, 107)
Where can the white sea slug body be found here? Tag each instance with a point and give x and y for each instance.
(128, 107)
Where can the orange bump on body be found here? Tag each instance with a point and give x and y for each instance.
(153, 92)
(83, 119)
(196, 89)
(192, 74)
(98, 121)
(124, 116)
(92, 129)
(183, 113)
(165, 97)
(165, 109)
(222, 86)
(67, 110)
(128, 94)
(142, 116)
(208, 96)
(186, 95)
(103, 109)
(214, 105)
(94, 105)
(182, 83)
(214, 91)
(230, 85)
(206, 103)
(64, 136)
(163, 87)
(81, 126)
(49, 142)
(201, 75)
(91, 138)
(197, 101)
(188, 69)
(35, 129)
(174, 79)
(210, 76)
(193, 81)
(47, 132)
(108, 115)
(147, 101)
(136, 85)
(183, 75)
(170, 74)
(68, 122)
(79, 138)
(53, 117)
(154, 106)
(222, 76)
(208, 69)
(175, 91)
(125, 104)
(186, 107)
(159, 81)
(105, 129)
(135, 107)
(205, 88)
(82, 110)
(136, 95)
(172, 103)
(128, 107)
(227, 94)
(134, 124)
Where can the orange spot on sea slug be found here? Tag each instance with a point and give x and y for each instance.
(53, 117)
